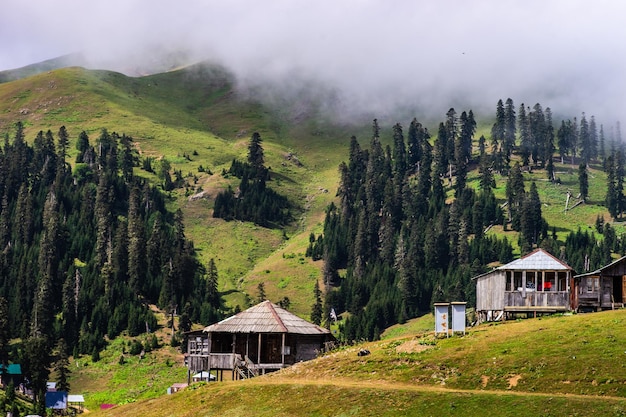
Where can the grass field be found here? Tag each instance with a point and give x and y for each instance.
(565, 365)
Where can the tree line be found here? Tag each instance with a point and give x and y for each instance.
(84, 251)
(408, 231)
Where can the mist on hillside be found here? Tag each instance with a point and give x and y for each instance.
(357, 56)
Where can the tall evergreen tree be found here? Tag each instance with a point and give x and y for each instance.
(584, 137)
(499, 127)
(549, 148)
(525, 135)
(531, 220)
(515, 195)
(399, 152)
(316, 309)
(62, 367)
(256, 156)
(510, 131)
(583, 181)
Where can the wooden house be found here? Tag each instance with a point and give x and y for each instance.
(602, 289)
(261, 339)
(535, 283)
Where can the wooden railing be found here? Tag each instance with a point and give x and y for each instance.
(557, 300)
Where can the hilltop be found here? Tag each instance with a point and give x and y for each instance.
(196, 117)
(559, 365)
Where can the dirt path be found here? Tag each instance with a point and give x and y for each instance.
(398, 386)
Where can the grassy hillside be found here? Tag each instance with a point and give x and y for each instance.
(196, 112)
(196, 117)
(558, 366)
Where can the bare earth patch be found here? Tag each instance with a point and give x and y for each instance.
(514, 380)
(412, 346)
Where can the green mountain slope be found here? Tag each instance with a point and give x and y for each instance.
(560, 366)
(195, 117)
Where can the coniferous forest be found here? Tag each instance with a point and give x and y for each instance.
(408, 231)
(87, 247)
(86, 251)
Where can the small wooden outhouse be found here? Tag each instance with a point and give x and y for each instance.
(260, 339)
(535, 283)
(602, 289)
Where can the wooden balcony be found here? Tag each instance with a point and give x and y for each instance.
(529, 300)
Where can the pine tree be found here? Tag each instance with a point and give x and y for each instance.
(619, 183)
(61, 366)
(510, 123)
(487, 181)
(515, 195)
(43, 310)
(531, 220)
(602, 149)
(212, 294)
(537, 126)
(38, 367)
(255, 151)
(583, 181)
(5, 332)
(549, 148)
(584, 137)
(611, 196)
(127, 160)
(82, 145)
(414, 146)
(136, 238)
(565, 140)
(63, 143)
(316, 308)
(499, 127)
(463, 149)
(399, 152)
(593, 137)
(260, 292)
(525, 135)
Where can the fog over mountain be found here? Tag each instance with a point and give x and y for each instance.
(373, 55)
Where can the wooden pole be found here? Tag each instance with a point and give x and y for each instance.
(283, 351)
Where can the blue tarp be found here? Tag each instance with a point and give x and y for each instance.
(56, 400)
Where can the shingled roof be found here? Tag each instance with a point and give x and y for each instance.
(538, 260)
(265, 317)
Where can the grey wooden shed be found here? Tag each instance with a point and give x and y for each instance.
(602, 289)
(535, 283)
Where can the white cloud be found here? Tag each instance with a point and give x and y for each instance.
(566, 54)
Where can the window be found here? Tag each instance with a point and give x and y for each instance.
(517, 280)
(593, 284)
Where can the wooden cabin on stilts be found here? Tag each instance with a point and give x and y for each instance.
(263, 338)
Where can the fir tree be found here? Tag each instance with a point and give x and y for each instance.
(510, 131)
(583, 181)
(260, 292)
(525, 135)
(255, 151)
(316, 308)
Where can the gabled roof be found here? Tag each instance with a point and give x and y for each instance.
(11, 369)
(75, 398)
(602, 269)
(265, 317)
(538, 260)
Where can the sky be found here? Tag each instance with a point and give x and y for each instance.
(376, 55)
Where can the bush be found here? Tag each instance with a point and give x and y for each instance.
(136, 347)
